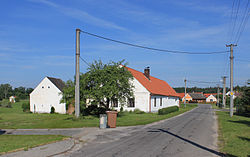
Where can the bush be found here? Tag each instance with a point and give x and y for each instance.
(138, 111)
(9, 105)
(26, 107)
(168, 110)
(17, 99)
(94, 110)
(52, 110)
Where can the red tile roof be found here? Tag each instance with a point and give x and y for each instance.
(181, 95)
(155, 86)
(208, 94)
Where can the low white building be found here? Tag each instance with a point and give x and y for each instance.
(47, 95)
(150, 93)
(12, 99)
(211, 98)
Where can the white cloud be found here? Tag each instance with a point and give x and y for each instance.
(81, 15)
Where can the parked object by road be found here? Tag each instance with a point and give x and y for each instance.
(103, 121)
(112, 116)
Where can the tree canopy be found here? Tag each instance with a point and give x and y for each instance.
(102, 83)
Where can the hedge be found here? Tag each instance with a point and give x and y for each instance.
(168, 110)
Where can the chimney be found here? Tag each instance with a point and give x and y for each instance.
(147, 72)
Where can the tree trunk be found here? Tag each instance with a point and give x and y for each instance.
(107, 103)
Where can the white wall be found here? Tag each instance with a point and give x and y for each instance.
(166, 102)
(142, 100)
(211, 97)
(141, 95)
(44, 96)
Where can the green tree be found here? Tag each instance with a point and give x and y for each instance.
(102, 84)
(5, 91)
(244, 102)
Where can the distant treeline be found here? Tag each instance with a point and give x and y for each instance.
(206, 90)
(6, 91)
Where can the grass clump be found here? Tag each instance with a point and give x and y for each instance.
(168, 110)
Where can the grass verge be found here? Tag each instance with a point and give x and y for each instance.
(24, 142)
(234, 134)
(15, 118)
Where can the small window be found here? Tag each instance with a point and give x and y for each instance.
(48, 86)
(114, 103)
(131, 102)
(161, 102)
(42, 86)
(154, 102)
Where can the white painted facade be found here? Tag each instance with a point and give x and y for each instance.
(45, 96)
(211, 98)
(144, 101)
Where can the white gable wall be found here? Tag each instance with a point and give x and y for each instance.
(44, 96)
(211, 98)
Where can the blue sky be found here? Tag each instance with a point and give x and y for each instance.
(37, 38)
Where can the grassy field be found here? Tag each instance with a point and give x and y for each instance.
(15, 118)
(24, 142)
(234, 134)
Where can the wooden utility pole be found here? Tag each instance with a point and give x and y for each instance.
(224, 92)
(218, 95)
(77, 87)
(185, 92)
(231, 79)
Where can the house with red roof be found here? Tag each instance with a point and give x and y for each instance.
(210, 97)
(150, 93)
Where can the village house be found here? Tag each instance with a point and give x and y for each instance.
(47, 95)
(12, 99)
(150, 93)
(192, 97)
(211, 97)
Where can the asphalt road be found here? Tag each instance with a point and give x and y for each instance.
(193, 134)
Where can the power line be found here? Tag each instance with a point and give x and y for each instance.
(85, 61)
(243, 23)
(154, 49)
(191, 81)
(235, 20)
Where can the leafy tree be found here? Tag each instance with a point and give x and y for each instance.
(102, 84)
(244, 102)
(5, 91)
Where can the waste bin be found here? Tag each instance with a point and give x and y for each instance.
(103, 121)
(112, 115)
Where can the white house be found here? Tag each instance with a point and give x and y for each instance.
(210, 98)
(12, 99)
(47, 95)
(150, 93)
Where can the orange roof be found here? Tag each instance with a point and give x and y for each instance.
(181, 95)
(154, 85)
(208, 94)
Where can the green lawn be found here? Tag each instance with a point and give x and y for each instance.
(234, 134)
(19, 142)
(15, 118)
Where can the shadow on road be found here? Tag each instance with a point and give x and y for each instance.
(191, 142)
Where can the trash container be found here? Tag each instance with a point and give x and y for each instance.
(112, 115)
(103, 121)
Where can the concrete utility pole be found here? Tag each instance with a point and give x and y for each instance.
(77, 87)
(224, 92)
(231, 79)
(185, 92)
(218, 95)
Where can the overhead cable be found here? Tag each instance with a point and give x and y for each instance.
(154, 49)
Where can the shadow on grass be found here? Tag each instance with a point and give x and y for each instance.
(244, 138)
(191, 142)
(2, 132)
(241, 122)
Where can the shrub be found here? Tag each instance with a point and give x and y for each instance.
(138, 111)
(9, 105)
(168, 110)
(17, 99)
(26, 107)
(52, 110)
(94, 110)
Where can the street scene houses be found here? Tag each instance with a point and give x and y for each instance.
(211, 97)
(47, 95)
(150, 93)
